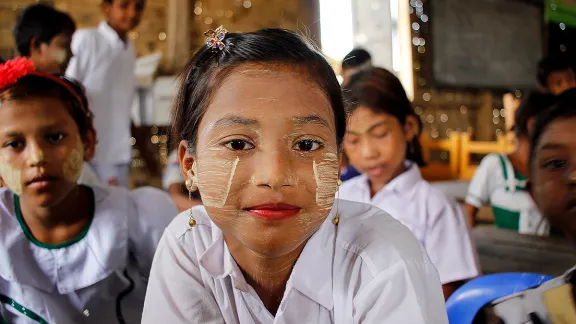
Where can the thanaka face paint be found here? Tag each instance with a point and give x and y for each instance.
(72, 167)
(214, 190)
(11, 177)
(250, 153)
(326, 176)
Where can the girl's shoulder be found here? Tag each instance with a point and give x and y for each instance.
(375, 235)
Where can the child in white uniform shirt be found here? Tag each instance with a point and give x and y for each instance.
(269, 245)
(71, 253)
(382, 142)
(43, 34)
(103, 61)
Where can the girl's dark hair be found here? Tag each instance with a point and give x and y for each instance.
(208, 68)
(34, 86)
(380, 91)
(564, 108)
(531, 106)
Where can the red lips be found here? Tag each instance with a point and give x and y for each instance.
(274, 211)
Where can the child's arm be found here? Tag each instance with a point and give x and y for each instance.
(153, 211)
(480, 187)
(81, 47)
(407, 292)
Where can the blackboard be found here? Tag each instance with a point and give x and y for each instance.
(486, 44)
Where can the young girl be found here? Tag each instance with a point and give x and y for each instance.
(71, 253)
(553, 187)
(500, 180)
(382, 142)
(261, 120)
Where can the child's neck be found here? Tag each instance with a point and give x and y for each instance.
(57, 224)
(121, 34)
(268, 276)
(376, 186)
(519, 158)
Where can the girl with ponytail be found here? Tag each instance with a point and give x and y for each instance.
(382, 141)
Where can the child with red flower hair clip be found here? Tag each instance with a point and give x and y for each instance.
(71, 253)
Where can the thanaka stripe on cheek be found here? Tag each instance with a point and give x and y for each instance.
(213, 185)
(326, 176)
(12, 177)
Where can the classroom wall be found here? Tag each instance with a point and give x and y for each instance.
(151, 36)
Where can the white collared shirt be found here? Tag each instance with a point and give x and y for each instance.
(368, 269)
(84, 280)
(437, 222)
(104, 64)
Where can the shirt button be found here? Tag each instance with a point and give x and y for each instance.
(86, 313)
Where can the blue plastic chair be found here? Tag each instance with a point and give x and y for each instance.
(466, 301)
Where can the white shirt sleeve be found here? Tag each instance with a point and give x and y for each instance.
(174, 277)
(154, 211)
(81, 50)
(480, 186)
(407, 292)
(448, 243)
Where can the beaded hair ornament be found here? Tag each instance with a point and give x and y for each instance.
(215, 38)
(13, 70)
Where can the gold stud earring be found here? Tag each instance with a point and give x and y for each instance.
(191, 220)
(188, 183)
(336, 218)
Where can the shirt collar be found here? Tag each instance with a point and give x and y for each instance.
(312, 273)
(111, 35)
(105, 244)
(401, 184)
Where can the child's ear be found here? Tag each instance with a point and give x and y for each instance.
(411, 128)
(35, 45)
(89, 145)
(186, 161)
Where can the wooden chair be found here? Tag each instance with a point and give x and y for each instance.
(436, 171)
(468, 147)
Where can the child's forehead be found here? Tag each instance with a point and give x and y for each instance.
(559, 134)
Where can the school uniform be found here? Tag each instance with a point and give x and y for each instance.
(98, 277)
(104, 64)
(495, 182)
(368, 269)
(437, 222)
(173, 172)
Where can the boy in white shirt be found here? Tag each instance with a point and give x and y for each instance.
(104, 59)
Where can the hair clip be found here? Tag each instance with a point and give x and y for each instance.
(215, 38)
(12, 70)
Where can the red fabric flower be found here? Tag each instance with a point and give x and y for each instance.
(14, 69)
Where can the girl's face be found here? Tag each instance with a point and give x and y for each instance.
(553, 175)
(375, 144)
(41, 153)
(266, 160)
(53, 57)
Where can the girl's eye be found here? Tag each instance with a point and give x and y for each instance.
(56, 137)
(308, 145)
(14, 144)
(555, 164)
(381, 135)
(238, 145)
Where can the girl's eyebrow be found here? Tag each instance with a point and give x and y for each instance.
(311, 119)
(369, 129)
(232, 120)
